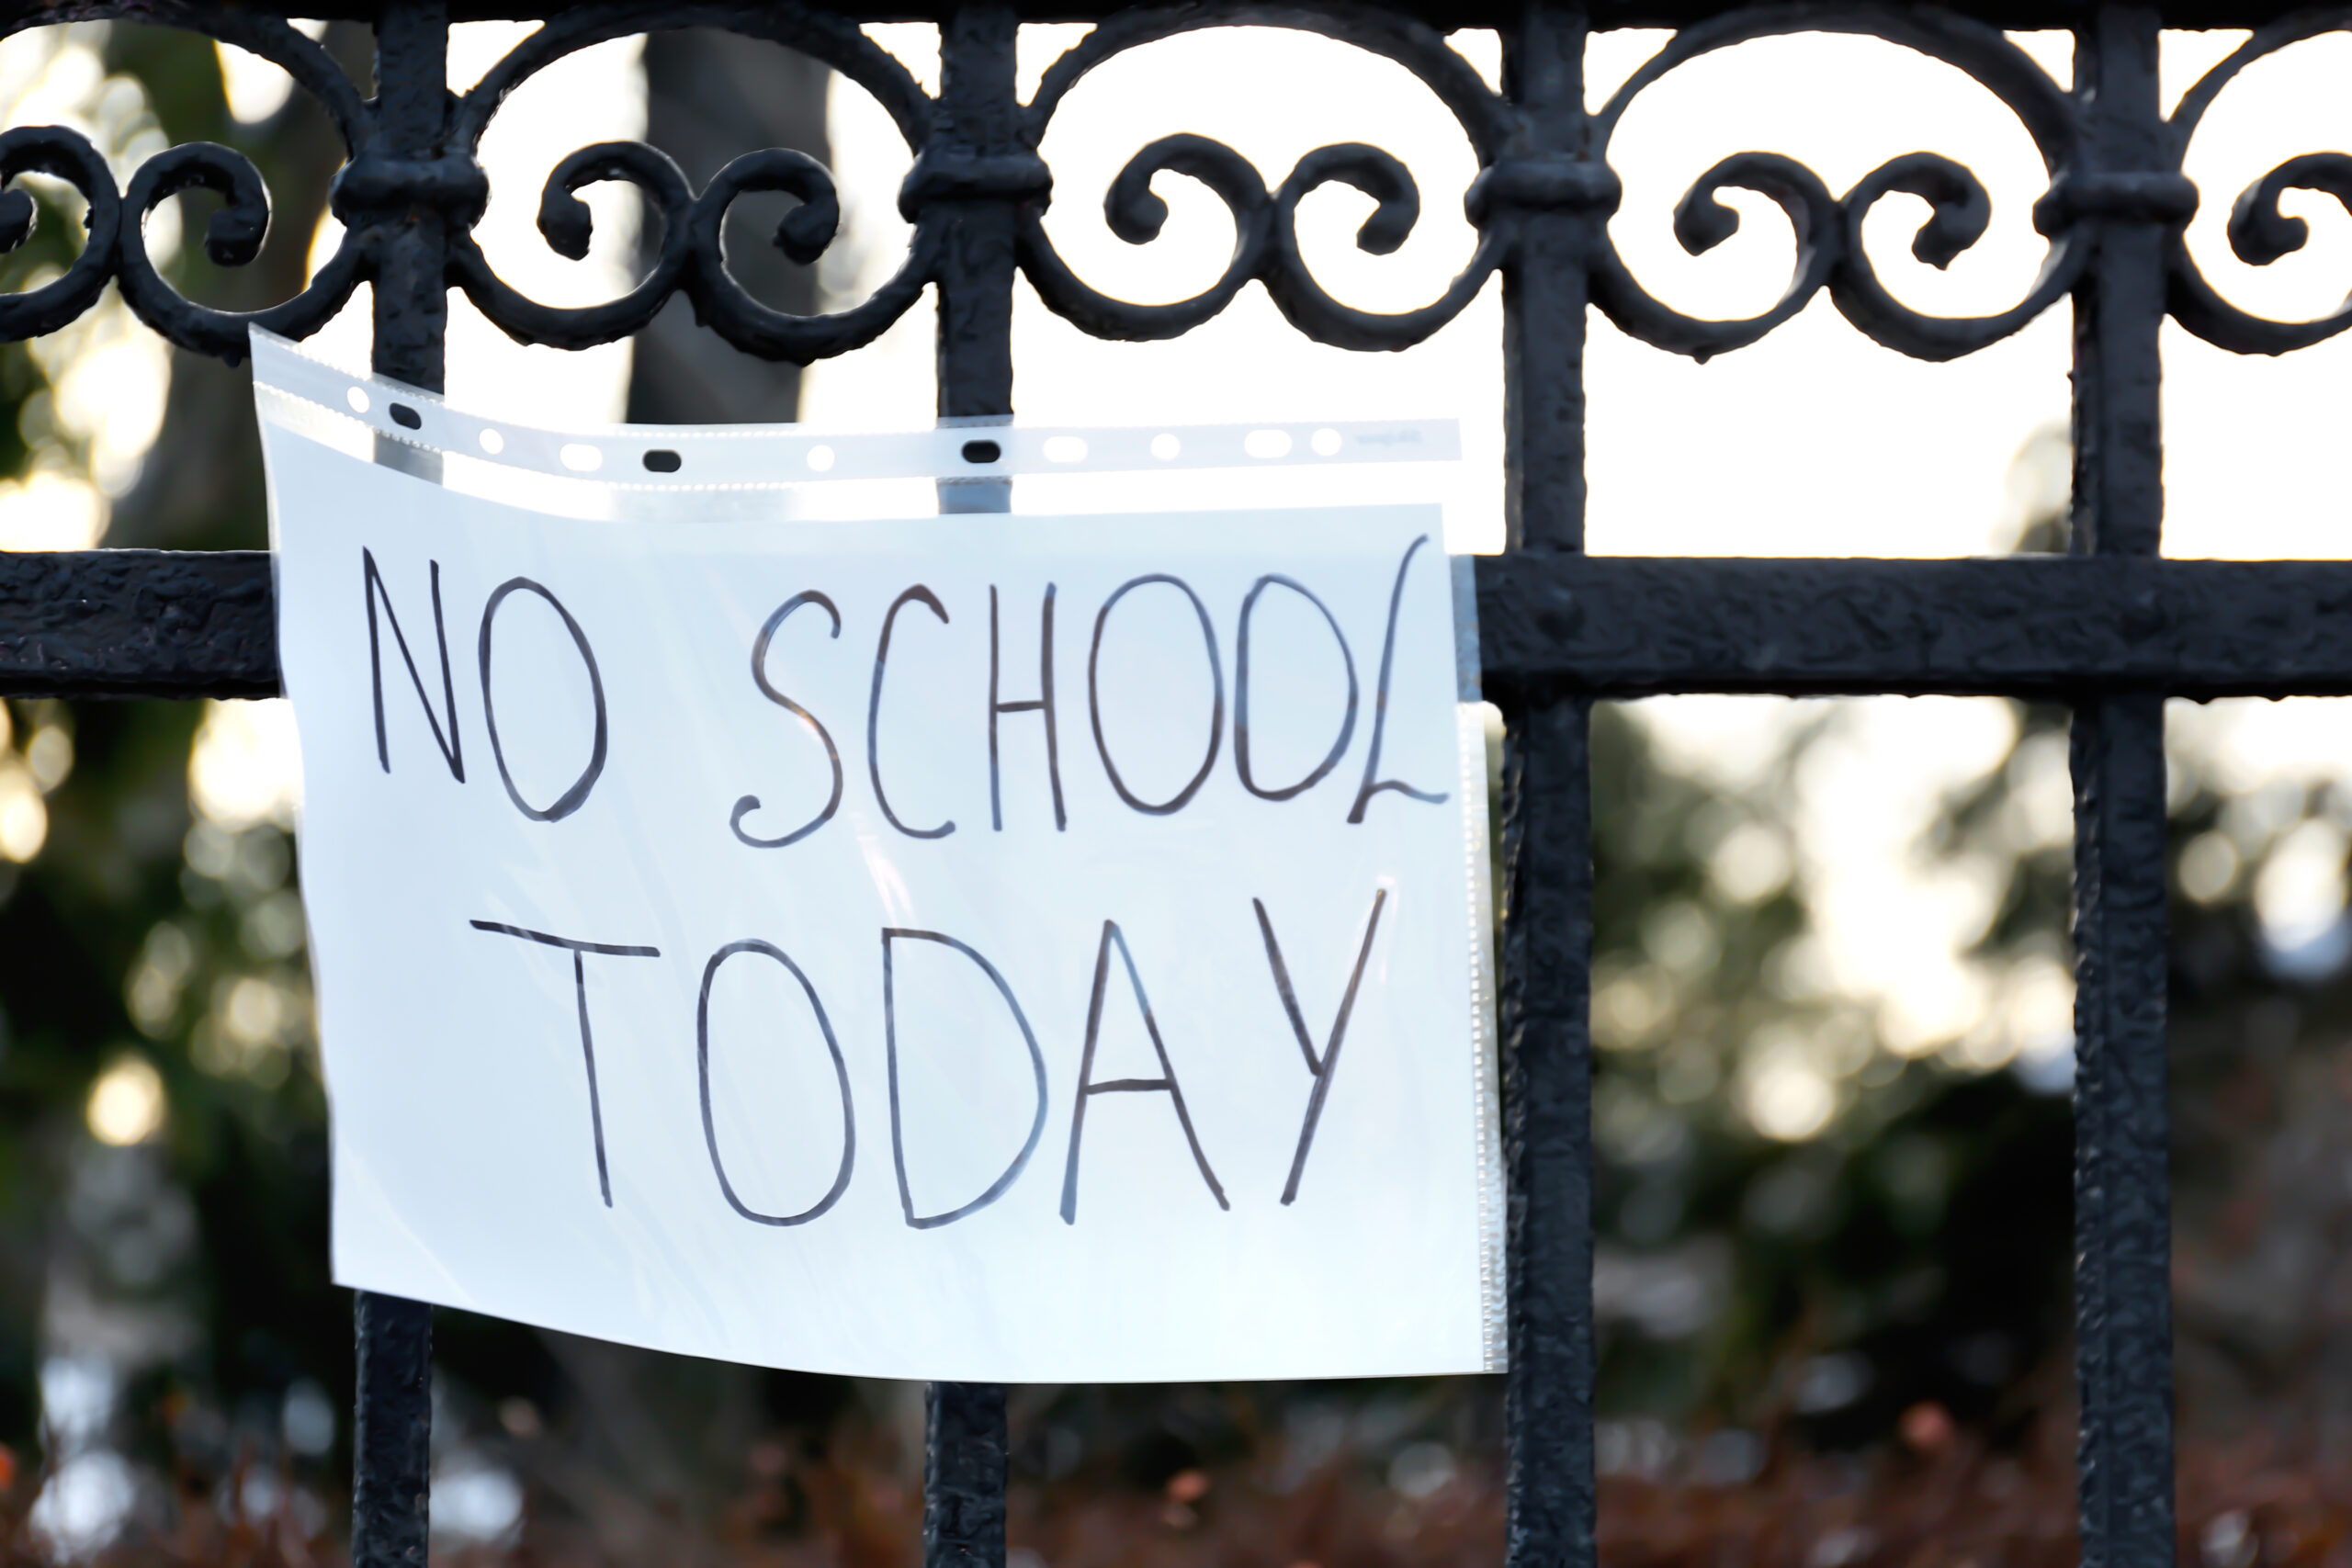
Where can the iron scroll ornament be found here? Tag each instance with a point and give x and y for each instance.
(2259, 231)
(116, 247)
(377, 189)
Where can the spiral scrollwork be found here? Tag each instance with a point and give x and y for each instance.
(1265, 222)
(1265, 246)
(1518, 182)
(565, 223)
(1703, 220)
(1829, 230)
(69, 156)
(1522, 179)
(117, 245)
(1136, 215)
(803, 235)
(2260, 232)
(381, 185)
(692, 256)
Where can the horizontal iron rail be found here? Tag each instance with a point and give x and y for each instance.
(2018, 626)
(169, 624)
(137, 623)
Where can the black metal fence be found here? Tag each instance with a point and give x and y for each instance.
(2112, 630)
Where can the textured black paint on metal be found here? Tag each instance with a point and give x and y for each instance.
(137, 623)
(963, 1481)
(1546, 882)
(1551, 626)
(2123, 1211)
(412, 295)
(393, 1423)
(2122, 1193)
(2047, 627)
(1546, 897)
(392, 1441)
(978, 127)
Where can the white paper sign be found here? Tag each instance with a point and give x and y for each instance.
(756, 938)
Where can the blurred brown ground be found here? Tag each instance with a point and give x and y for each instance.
(1940, 1499)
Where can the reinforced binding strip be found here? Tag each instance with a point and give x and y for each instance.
(1486, 1065)
(663, 457)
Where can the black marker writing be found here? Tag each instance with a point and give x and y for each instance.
(890, 1050)
(452, 746)
(571, 799)
(1164, 1084)
(702, 1067)
(751, 803)
(578, 951)
(1380, 702)
(918, 595)
(1094, 696)
(1324, 1065)
(1242, 693)
(1044, 703)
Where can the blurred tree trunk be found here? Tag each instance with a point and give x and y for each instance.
(710, 97)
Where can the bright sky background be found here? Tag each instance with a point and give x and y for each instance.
(1816, 441)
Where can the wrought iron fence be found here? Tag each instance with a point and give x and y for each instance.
(2112, 630)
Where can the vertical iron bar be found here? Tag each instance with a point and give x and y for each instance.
(979, 116)
(965, 1434)
(1545, 290)
(392, 1437)
(2122, 1200)
(411, 301)
(1548, 848)
(963, 1480)
(392, 1427)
